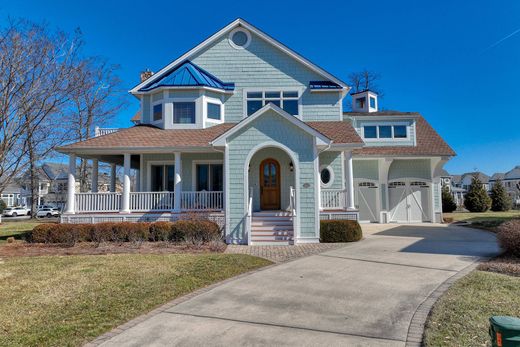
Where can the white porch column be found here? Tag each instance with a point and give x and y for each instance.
(178, 182)
(95, 167)
(125, 198)
(350, 180)
(112, 177)
(71, 185)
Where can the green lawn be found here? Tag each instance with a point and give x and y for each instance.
(485, 220)
(461, 316)
(16, 229)
(67, 301)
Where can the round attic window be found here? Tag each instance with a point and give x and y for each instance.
(239, 38)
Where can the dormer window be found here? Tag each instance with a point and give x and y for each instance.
(360, 102)
(385, 132)
(184, 112)
(372, 102)
(286, 100)
(157, 113)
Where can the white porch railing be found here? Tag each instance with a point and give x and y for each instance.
(151, 201)
(203, 200)
(333, 199)
(98, 202)
(104, 131)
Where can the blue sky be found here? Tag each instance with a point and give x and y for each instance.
(441, 58)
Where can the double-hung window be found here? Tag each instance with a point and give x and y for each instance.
(286, 100)
(214, 111)
(209, 177)
(184, 112)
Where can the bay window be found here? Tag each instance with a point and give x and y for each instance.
(184, 112)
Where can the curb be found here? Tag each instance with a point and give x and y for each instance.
(417, 325)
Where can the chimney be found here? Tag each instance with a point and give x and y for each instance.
(146, 74)
(364, 101)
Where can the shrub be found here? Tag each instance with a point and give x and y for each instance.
(160, 231)
(448, 203)
(340, 231)
(195, 232)
(3, 205)
(500, 200)
(477, 199)
(509, 237)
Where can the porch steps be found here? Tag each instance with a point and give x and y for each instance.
(272, 228)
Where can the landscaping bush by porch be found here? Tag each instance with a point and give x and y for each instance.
(340, 231)
(195, 232)
(509, 237)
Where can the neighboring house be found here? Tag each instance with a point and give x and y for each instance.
(52, 184)
(248, 132)
(12, 194)
(467, 178)
(511, 182)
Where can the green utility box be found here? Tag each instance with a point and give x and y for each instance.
(504, 331)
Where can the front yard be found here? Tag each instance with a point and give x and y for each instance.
(69, 300)
(461, 316)
(16, 229)
(486, 220)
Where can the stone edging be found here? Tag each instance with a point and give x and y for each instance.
(131, 323)
(415, 334)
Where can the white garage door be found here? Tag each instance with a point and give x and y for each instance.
(409, 201)
(367, 201)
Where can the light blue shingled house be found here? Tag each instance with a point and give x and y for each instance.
(253, 135)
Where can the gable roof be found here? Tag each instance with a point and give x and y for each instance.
(272, 107)
(513, 174)
(429, 143)
(240, 22)
(497, 176)
(187, 74)
(480, 175)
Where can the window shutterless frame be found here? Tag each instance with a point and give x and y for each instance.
(288, 99)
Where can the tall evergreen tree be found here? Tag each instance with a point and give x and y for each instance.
(448, 203)
(477, 199)
(500, 200)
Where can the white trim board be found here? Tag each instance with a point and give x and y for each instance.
(321, 140)
(233, 25)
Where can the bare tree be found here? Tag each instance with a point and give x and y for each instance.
(98, 100)
(34, 89)
(363, 80)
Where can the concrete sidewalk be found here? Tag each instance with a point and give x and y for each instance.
(363, 294)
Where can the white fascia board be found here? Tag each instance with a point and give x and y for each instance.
(251, 28)
(376, 117)
(211, 89)
(320, 138)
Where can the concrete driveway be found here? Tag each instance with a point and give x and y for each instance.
(364, 294)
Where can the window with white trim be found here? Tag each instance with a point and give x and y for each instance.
(184, 113)
(214, 111)
(326, 176)
(385, 132)
(157, 112)
(286, 100)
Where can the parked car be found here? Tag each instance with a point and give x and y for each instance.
(16, 211)
(47, 212)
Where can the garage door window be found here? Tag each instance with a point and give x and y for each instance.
(396, 184)
(367, 184)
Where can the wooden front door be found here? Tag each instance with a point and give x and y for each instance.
(269, 185)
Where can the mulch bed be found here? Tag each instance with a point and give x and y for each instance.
(504, 264)
(23, 249)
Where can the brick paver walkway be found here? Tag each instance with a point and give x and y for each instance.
(280, 254)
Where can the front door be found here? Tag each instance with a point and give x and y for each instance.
(269, 185)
